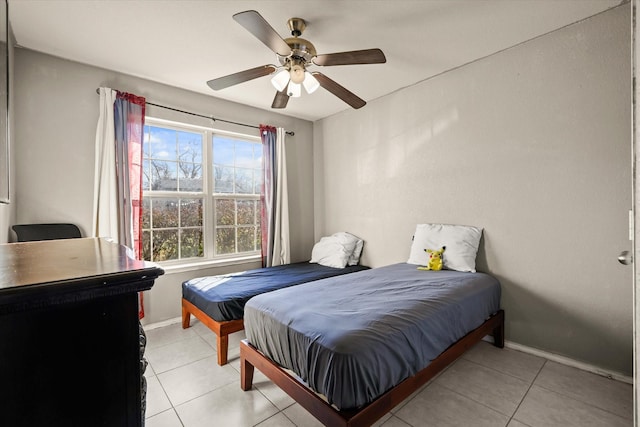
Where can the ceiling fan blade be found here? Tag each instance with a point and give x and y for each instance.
(253, 22)
(280, 100)
(367, 56)
(241, 77)
(339, 91)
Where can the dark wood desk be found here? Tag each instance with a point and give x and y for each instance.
(69, 336)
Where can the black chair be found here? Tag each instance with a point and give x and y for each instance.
(33, 232)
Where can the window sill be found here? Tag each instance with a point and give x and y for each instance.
(198, 265)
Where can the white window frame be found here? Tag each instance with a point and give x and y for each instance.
(208, 222)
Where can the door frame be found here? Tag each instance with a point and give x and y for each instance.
(635, 176)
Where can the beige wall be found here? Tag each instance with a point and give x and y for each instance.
(56, 113)
(533, 144)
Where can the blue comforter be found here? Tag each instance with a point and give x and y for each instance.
(223, 297)
(353, 337)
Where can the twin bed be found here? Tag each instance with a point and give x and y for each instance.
(350, 347)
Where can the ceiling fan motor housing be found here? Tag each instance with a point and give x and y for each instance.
(300, 48)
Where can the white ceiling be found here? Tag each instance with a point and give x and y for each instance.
(185, 43)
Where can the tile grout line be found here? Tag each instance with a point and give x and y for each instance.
(173, 406)
(546, 360)
(157, 375)
(474, 401)
(273, 403)
(502, 372)
(575, 399)
(285, 415)
(527, 392)
(415, 394)
(269, 417)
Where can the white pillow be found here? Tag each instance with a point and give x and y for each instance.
(462, 243)
(331, 252)
(349, 239)
(357, 251)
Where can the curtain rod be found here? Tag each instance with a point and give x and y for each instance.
(289, 132)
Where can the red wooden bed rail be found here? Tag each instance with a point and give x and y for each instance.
(221, 329)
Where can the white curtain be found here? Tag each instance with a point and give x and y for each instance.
(281, 253)
(275, 199)
(106, 215)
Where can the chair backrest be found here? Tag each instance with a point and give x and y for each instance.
(33, 232)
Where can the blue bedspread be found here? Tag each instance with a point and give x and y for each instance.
(353, 337)
(223, 297)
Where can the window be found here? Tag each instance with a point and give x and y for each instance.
(201, 193)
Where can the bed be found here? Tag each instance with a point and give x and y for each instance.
(350, 348)
(218, 301)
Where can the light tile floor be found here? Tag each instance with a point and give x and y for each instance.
(486, 387)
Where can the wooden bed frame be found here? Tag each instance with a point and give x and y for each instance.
(251, 358)
(221, 329)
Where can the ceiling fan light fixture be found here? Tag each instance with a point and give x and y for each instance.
(297, 73)
(294, 89)
(310, 83)
(280, 80)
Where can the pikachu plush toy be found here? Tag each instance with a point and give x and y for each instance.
(435, 259)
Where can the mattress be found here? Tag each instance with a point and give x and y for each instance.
(223, 297)
(353, 337)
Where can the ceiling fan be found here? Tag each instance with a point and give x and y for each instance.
(295, 54)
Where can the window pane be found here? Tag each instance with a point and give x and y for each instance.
(225, 241)
(146, 245)
(146, 143)
(225, 211)
(191, 212)
(190, 147)
(258, 237)
(190, 161)
(223, 179)
(146, 175)
(164, 175)
(165, 245)
(162, 143)
(257, 154)
(191, 244)
(246, 212)
(246, 239)
(190, 176)
(244, 155)
(223, 150)
(257, 182)
(146, 214)
(244, 181)
(165, 213)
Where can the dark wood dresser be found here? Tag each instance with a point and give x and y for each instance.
(69, 333)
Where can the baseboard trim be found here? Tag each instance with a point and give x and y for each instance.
(569, 362)
(162, 324)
